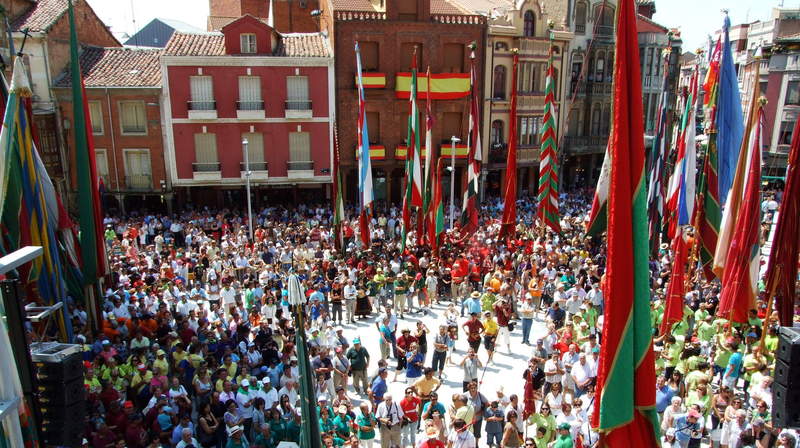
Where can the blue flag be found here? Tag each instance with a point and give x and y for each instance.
(730, 121)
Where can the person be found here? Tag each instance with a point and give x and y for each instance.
(379, 386)
(207, 430)
(426, 386)
(432, 436)
(410, 405)
(474, 329)
(564, 438)
(495, 418)
(669, 440)
(461, 437)
(366, 423)
(359, 362)
(526, 313)
(479, 404)
(511, 436)
(390, 416)
(236, 438)
(490, 332)
(441, 342)
(186, 439)
(342, 422)
(415, 359)
(470, 365)
(686, 427)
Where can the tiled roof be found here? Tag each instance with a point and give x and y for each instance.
(217, 23)
(42, 15)
(353, 5)
(446, 7)
(195, 44)
(645, 25)
(310, 45)
(117, 67)
(437, 6)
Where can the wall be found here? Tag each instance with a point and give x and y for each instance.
(234, 30)
(294, 16)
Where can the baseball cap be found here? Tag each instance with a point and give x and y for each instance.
(357, 341)
(564, 426)
(245, 383)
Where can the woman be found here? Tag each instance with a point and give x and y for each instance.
(675, 383)
(675, 407)
(207, 432)
(325, 420)
(422, 337)
(544, 420)
(179, 396)
(202, 385)
(510, 433)
(285, 409)
(259, 418)
(700, 397)
(555, 399)
(232, 416)
(718, 405)
(730, 415)
(277, 427)
(363, 304)
(366, 423)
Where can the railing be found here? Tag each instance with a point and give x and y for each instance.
(249, 105)
(300, 166)
(347, 16)
(538, 46)
(498, 152)
(580, 28)
(205, 167)
(134, 129)
(139, 182)
(458, 19)
(603, 30)
(254, 166)
(202, 105)
(298, 104)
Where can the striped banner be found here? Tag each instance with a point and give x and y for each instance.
(444, 86)
(548, 171)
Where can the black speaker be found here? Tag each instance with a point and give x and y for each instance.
(783, 374)
(60, 394)
(51, 394)
(789, 347)
(785, 412)
(63, 425)
(62, 371)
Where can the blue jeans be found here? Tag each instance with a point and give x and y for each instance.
(494, 438)
(526, 329)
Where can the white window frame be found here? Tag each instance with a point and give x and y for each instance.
(125, 152)
(121, 107)
(104, 152)
(100, 122)
(202, 97)
(248, 43)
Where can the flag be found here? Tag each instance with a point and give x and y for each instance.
(469, 215)
(655, 189)
(338, 200)
(730, 128)
(413, 190)
(430, 166)
(89, 214)
(711, 83)
(437, 209)
(548, 164)
(676, 288)
(730, 212)
(625, 400)
(509, 223)
(787, 233)
(740, 276)
(682, 187)
(598, 216)
(364, 166)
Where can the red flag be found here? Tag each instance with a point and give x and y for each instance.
(509, 223)
(673, 312)
(787, 237)
(740, 277)
(624, 410)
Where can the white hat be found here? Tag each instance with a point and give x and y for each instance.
(245, 383)
(266, 380)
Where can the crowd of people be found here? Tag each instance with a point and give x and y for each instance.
(197, 340)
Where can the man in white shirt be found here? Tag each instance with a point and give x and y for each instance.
(244, 400)
(290, 390)
(350, 292)
(553, 372)
(390, 415)
(269, 394)
(461, 437)
(228, 296)
(581, 374)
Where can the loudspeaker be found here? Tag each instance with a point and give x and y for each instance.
(62, 371)
(789, 347)
(63, 425)
(784, 374)
(60, 393)
(52, 394)
(785, 412)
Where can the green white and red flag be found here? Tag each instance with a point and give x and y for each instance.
(469, 206)
(548, 164)
(338, 200)
(436, 227)
(413, 190)
(508, 225)
(598, 216)
(624, 410)
(430, 162)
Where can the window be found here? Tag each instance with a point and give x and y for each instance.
(406, 9)
(530, 77)
(137, 169)
(530, 24)
(250, 93)
(374, 123)
(793, 93)
(369, 56)
(96, 116)
(610, 68)
(297, 93)
(248, 43)
(785, 137)
(451, 125)
(528, 130)
(496, 136)
(590, 71)
(595, 120)
(133, 118)
(255, 151)
(499, 82)
(453, 58)
(599, 67)
(205, 152)
(576, 74)
(580, 17)
(407, 53)
(606, 119)
(101, 162)
(762, 86)
(300, 151)
(202, 91)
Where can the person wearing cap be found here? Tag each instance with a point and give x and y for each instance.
(401, 285)
(687, 426)
(268, 393)
(472, 303)
(564, 437)
(342, 422)
(358, 356)
(236, 438)
(244, 401)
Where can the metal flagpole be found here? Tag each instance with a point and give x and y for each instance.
(453, 141)
(247, 183)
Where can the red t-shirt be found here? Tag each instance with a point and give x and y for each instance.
(474, 328)
(410, 406)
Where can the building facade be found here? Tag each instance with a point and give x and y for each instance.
(388, 33)
(525, 27)
(248, 82)
(123, 90)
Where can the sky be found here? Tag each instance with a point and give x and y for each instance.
(695, 18)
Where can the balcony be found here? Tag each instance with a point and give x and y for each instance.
(580, 28)
(202, 110)
(604, 32)
(258, 170)
(139, 182)
(300, 170)
(533, 46)
(250, 110)
(585, 144)
(206, 171)
(298, 109)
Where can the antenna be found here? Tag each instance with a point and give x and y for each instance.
(133, 20)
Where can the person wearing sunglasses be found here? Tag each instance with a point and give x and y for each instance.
(544, 421)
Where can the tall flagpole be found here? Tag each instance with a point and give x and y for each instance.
(453, 141)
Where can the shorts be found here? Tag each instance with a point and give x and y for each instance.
(401, 363)
(488, 342)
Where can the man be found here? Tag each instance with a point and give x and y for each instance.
(359, 362)
(379, 386)
(389, 415)
(460, 437)
(564, 438)
(244, 400)
(553, 372)
(581, 375)
(526, 313)
(400, 289)
(187, 439)
(686, 427)
(474, 328)
(490, 331)
(426, 386)
(268, 393)
(470, 365)
(415, 360)
(472, 303)
(479, 404)
(556, 315)
(323, 365)
(341, 369)
(440, 345)
(350, 293)
(410, 404)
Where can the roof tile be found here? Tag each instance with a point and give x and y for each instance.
(117, 67)
(42, 15)
(195, 44)
(313, 45)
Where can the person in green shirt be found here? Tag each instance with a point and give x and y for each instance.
(292, 431)
(325, 420)
(366, 422)
(589, 314)
(341, 423)
(705, 329)
(564, 439)
(544, 420)
(400, 290)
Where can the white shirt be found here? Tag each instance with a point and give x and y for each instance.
(463, 439)
(551, 367)
(228, 296)
(350, 292)
(243, 398)
(393, 412)
(271, 397)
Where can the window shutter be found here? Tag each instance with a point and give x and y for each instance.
(133, 117)
(202, 92)
(205, 148)
(96, 116)
(299, 147)
(255, 147)
(101, 161)
(138, 162)
(249, 88)
(297, 88)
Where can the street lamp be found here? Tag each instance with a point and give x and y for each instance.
(453, 141)
(247, 174)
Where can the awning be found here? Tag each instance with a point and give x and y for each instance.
(444, 86)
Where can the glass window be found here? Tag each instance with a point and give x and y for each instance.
(530, 24)
(369, 56)
(202, 91)
(792, 93)
(96, 116)
(205, 152)
(248, 43)
(250, 93)
(299, 147)
(133, 118)
(497, 132)
(499, 86)
(785, 137)
(297, 93)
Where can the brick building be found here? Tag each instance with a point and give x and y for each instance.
(248, 82)
(46, 55)
(388, 32)
(123, 89)
(289, 16)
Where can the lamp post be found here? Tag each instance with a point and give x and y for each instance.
(247, 183)
(453, 141)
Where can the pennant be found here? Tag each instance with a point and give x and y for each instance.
(682, 187)
(730, 126)
(676, 288)
(338, 200)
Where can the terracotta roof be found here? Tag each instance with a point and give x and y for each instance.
(353, 5)
(313, 45)
(117, 67)
(195, 44)
(447, 7)
(42, 15)
(645, 25)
